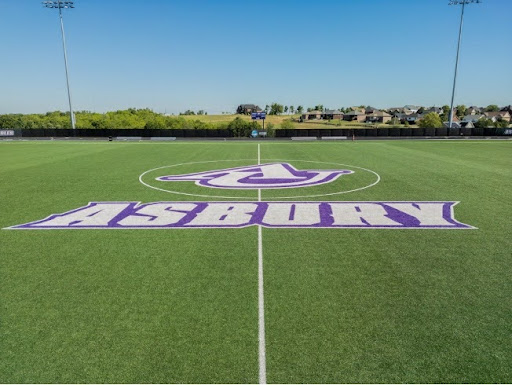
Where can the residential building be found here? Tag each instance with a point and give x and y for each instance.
(378, 117)
(473, 110)
(507, 108)
(437, 110)
(332, 114)
(247, 109)
(412, 118)
(312, 115)
(412, 108)
(370, 110)
(357, 116)
(472, 118)
(498, 115)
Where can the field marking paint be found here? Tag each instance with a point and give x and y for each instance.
(190, 215)
(259, 193)
(262, 357)
(188, 194)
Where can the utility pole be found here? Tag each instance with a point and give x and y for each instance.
(64, 4)
(463, 3)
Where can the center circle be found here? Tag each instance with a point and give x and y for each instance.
(141, 179)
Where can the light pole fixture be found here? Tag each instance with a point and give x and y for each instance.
(63, 4)
(463, 3)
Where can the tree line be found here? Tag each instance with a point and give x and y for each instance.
(130, 118)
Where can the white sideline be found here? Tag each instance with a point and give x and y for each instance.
(261, 303)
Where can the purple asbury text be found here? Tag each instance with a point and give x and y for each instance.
(186, 215)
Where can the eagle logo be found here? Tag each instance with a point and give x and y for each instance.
(263, 176)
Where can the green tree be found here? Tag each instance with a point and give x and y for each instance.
(242, 128)
(484, 123)
(501, 123)
(319, 107)
(461, 111)
(291, 109)
(271, 130)
(285, 109)
(300, 109)
(492, 108)
(446, 113)
(276, 109)
(431, 120)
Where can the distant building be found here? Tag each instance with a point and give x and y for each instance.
(360, 109)
(498, 115)
(247, 109)
(312, 115)
(455, 122)
(413, 118)
(378, 117)
(332, 114)
(437, 110)
(413, 109)
(357, 116)
(472, 118)
(370, 110)
(507, 108)
(473, 110)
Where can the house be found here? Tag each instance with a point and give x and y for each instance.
(412, 118)
(400, 116)
(437, 110)
(455, 122)
(378, 117)
(370, 110)
(472, 118)
(473, 110)
(360, 109)
(354, 116)
(332, 114)
(413, 109)
(312, 115)
(507, 108)
(247, 109)
(498, 115)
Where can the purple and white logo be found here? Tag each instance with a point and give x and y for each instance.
(264, 176)
(189, 215)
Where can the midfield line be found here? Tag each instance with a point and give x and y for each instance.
(261, 302)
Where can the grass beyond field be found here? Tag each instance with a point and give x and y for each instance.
(276, 120)
(181, 306)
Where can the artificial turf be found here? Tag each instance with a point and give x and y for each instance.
(181, 306)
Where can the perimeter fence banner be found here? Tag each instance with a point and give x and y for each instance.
(278, 133)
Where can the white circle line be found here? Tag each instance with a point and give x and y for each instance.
(243, 160)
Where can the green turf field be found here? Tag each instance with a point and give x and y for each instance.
(181, 305)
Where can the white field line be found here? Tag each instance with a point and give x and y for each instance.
(261, 303)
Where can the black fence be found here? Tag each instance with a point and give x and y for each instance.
(391, 132)
(279, 133)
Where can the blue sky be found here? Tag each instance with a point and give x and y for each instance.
(173, 55)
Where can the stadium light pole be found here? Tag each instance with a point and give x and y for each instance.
(64, 4)
(463, 3)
